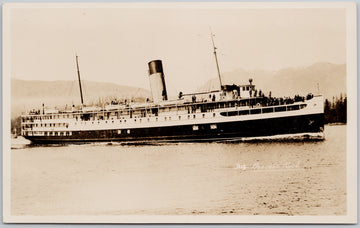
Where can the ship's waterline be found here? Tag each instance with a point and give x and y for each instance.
(261, 178)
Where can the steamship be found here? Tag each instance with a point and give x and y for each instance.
(231, 112)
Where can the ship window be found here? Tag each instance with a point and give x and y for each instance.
(255, 111)
(70, 133)
(128, 131)
(194, 116)
(267, 110)
(280, 109)
(119, 132)
(188, 116)
(293, 107)
(213, 126)
(165, 118)
(244, 112)
(179, 117)
(124, 121)
(302, 106)
(112, 121)
(195, 128)
(203, 115)
(105, 121)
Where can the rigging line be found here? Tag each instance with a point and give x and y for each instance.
(71, 88)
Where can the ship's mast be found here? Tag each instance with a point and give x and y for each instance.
(78, 72)
(217, 64)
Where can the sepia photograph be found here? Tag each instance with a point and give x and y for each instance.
(202, 112)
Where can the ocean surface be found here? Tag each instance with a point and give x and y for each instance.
(242, 178)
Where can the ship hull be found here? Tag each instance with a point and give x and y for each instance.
(310, 123)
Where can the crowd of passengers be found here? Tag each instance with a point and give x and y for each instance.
(271, 101)
(265, 100)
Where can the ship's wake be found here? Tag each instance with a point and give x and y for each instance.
(301, 137)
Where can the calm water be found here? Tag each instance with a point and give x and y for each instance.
(265, 178)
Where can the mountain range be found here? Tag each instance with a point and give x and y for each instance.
(320, 78)
(26, 95)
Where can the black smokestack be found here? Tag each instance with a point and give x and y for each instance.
(155, 67)
(157, 81)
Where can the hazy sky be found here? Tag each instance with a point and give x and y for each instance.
(115, 44)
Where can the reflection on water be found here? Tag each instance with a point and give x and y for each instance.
(268, 177)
